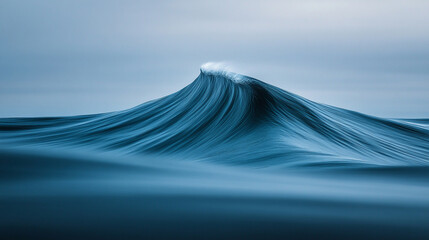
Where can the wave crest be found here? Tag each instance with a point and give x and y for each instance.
(231, 118)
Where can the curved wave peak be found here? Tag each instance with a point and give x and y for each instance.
(231, 118)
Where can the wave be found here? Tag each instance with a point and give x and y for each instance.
(230, 118)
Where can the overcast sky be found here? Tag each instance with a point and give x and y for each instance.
(76, 57)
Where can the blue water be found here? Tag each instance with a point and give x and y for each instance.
(228, 156)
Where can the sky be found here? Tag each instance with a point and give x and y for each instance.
(75, 57)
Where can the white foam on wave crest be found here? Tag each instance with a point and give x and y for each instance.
(222, 69)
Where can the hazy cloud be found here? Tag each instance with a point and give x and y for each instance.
(71, 57)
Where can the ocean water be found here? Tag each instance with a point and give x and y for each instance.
(228, 156)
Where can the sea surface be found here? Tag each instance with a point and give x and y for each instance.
(227, 157)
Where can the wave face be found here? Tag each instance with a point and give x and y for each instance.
(234, 119)
(189, 165)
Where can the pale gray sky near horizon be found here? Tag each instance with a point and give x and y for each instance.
(78, 57)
